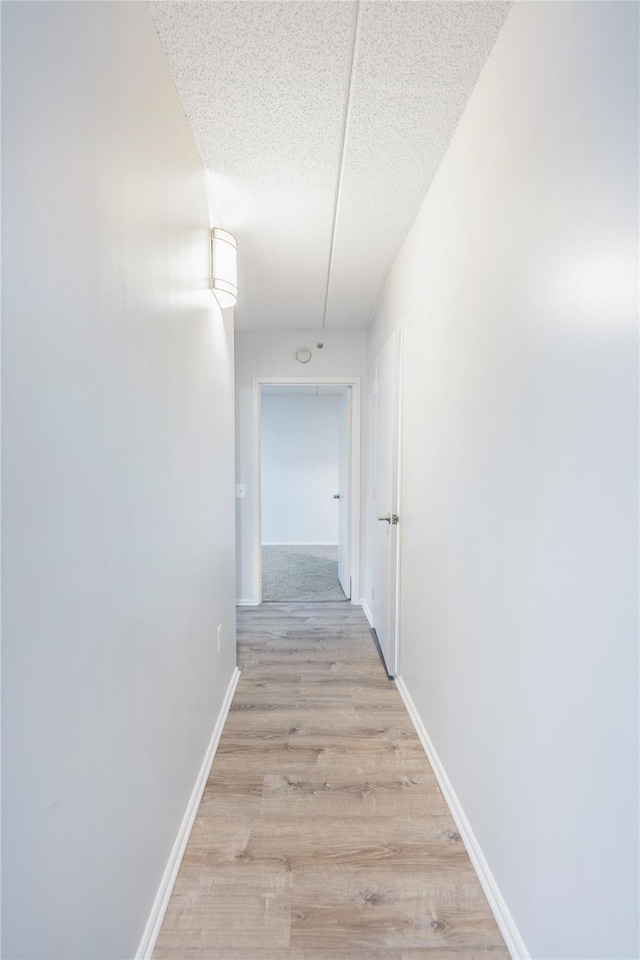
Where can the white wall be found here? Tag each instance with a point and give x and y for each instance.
(117, 477)
(272, 354)
(299, 467)
(520, 517)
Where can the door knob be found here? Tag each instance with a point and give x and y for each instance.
(336, 496)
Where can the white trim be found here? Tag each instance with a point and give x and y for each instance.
(388, 621)
(506, 924)
(256, 540)
(247, 603)
(399, 476)
(356, 395)
(299, 543)
(367, 612)
(400, 491)
(161, 902)
(307, 381)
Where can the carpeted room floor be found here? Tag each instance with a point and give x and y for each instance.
(306, 573)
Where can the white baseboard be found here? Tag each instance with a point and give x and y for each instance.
(247, 603)
(506, 924)
(160, 904)
(367, 612)
(299, 543)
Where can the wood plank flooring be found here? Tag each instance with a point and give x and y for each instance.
(322, 833)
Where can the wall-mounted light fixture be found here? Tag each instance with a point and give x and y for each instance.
(223, 267)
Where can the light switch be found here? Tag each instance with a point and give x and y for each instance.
(241, 490)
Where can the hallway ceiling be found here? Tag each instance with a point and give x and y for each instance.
(321, 125)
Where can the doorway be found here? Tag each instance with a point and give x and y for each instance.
(306, 451)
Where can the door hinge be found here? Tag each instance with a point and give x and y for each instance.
(373, 593)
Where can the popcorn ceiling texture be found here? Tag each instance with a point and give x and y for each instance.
(417, 64)
(264, 86)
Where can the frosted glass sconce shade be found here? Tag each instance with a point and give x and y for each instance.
(223, 267)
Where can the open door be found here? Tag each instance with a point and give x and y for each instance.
(386, 502)
(344, 484)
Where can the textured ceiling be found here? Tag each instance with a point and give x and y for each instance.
(321, 125)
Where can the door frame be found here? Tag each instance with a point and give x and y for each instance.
(354, 505)
(393, 668)
(399, 495)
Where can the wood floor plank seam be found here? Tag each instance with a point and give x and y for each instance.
(322, 833)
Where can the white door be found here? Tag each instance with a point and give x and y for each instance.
(386, 505)
(344, 488)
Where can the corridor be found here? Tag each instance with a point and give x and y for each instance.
(322, 832)
(427, 214)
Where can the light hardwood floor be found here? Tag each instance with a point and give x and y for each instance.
(322, 833)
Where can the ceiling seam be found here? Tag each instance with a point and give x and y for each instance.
(343, 142)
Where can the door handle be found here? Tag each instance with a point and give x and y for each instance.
(336, 496)
(391, 518)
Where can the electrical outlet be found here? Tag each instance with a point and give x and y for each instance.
(219, 635)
